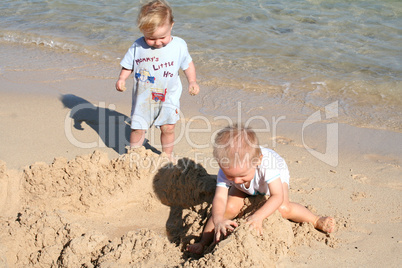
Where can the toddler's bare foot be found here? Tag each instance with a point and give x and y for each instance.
(197, 248)
(325, 224)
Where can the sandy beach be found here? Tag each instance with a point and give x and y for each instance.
(72, 196)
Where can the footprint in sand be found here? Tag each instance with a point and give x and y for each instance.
(360, 178)
(356, 196)
(391, 161)
(283, 140)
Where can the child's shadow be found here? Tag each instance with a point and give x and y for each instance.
(182, 187)
(112, 127)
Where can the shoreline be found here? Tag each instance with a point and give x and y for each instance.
(82, 81)
(358, 183)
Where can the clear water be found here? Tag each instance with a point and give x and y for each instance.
(303, 52)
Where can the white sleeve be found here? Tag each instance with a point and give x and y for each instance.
(128, 61)
(221, 180)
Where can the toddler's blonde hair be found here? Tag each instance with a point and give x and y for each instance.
(236, 145)
(153, 15)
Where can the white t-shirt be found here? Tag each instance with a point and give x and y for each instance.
(157, 85)
(272, 167)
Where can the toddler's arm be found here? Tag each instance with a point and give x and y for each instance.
(218, 212)
(121, 82)
(193, 87)
(274, 201)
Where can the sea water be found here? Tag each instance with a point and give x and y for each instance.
(309, 53)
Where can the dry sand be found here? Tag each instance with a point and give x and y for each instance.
(63, 205)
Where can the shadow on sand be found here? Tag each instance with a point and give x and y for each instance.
(185, 187)
(112, 127)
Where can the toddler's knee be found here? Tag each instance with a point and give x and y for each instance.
(167, 129)
(232, 210)
(284, 210)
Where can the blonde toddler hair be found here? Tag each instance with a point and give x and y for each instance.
(153, 15)
(236, 145)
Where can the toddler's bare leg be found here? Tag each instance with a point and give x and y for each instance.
(137, 137)
(299, 213)
(167, 138)
(234, 204)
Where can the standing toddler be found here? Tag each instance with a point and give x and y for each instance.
(155, 60)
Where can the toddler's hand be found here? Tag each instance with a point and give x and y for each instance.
(255, 223)
(193, 88)
(222, 227)
(120, 85)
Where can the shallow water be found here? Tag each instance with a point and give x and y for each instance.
(304, 53)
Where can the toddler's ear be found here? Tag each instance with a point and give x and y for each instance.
(259, 160)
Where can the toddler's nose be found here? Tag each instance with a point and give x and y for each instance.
(238, 180)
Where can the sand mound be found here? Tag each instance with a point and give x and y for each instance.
(96, 212)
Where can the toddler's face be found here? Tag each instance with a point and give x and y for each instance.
(239, 174)
(161, 37)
